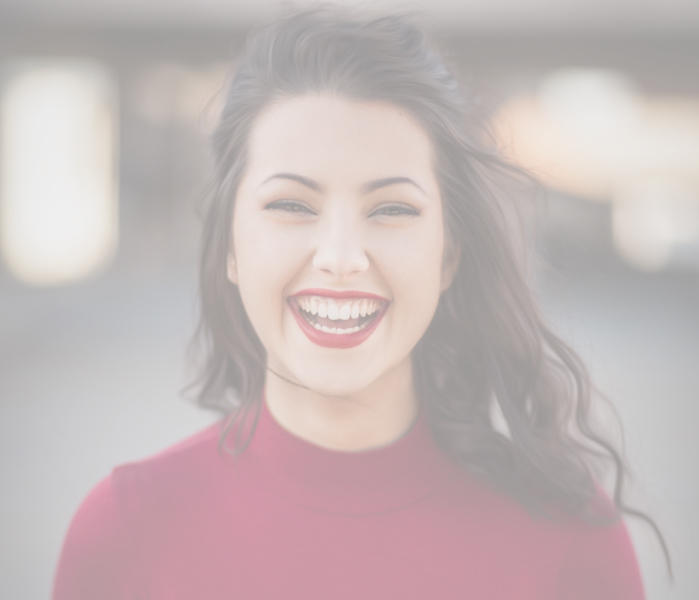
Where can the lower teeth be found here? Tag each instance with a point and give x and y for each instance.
(337, 330)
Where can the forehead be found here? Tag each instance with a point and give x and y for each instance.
(339, 139)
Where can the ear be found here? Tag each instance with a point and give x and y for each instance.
(450, 265)
(232, 269)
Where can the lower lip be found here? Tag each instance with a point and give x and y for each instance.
(334, 340)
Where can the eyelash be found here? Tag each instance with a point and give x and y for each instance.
(289, 206)
(397, 210)
(388, 210)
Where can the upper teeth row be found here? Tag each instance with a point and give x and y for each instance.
(338, 309)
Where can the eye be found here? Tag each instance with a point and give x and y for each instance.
(396, 210)
(290, 206)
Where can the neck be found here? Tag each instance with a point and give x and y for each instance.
(373, 417)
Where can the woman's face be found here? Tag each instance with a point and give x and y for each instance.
(338, 240)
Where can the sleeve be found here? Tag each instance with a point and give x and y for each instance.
(600, 565)
(95, 560)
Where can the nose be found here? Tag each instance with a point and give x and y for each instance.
(340, 248)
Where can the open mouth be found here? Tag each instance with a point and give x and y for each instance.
(338, 316)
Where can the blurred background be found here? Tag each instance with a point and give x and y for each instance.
(105, 107)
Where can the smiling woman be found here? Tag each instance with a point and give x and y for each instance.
(365, 318)
(339, 206)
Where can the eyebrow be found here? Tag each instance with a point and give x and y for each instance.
(366, 189)
(379, 183)
(309, 183)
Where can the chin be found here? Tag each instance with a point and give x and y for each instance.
(336, 385)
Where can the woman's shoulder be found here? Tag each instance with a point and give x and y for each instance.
(593, 557)
(99, 546)
(185, 458)
(94, 553)
(197, 445)
(600, 562)
(177, 472)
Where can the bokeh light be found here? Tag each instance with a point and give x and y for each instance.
(58, 186)
(590, 133)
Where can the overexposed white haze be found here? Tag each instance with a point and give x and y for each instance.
(599, 99)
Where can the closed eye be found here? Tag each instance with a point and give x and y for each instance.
(290, 206)
(396, 210)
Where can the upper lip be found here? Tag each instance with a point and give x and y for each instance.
(338, 294)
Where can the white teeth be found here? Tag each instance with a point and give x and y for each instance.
(350, 330)
(333, 311)
(345, 311)
(336, 330)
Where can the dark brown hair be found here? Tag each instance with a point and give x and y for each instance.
(488, 342)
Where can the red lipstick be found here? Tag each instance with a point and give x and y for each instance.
(334, 340)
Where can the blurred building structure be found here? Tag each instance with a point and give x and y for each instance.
(90, 371)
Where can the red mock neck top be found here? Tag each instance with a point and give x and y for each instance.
(290, 520)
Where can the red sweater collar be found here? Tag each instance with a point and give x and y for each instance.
(386, 478)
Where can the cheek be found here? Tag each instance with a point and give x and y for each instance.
(260, 251)
(414, 265)
(267, 262)
(422, 251)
